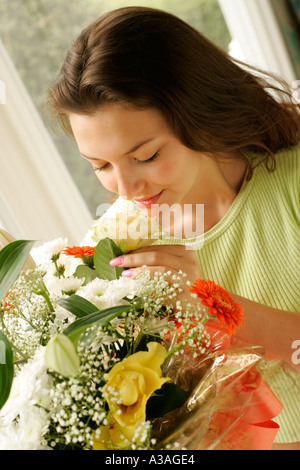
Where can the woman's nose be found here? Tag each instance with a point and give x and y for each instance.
(129, 184)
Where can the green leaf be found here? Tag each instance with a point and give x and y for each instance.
(166, 399)
(12, 260)
(75, 330)
(77, 305)
(84, 271)
(6, 369)
(104, 252)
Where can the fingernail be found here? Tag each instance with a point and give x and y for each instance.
(127, 273)
(117, 261)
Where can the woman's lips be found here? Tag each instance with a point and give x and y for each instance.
(147, 202)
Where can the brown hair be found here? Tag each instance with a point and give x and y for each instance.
(151, 59)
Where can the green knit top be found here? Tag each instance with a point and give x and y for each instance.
(254, 251)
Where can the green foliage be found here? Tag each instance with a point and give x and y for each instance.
(100, 317)
(104, 252)
(12, 260)
(6, 369)
(79, 306)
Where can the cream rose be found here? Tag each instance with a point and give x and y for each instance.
(129, 230)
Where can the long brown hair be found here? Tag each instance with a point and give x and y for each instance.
(151, 59)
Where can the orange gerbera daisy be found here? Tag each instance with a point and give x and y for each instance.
(219, 303)
(79, 251)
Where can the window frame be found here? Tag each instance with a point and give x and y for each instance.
(38, 198)
(254, 26)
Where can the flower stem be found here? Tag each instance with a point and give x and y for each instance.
(43, 291)
(58, 271)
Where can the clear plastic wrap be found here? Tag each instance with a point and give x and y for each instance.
(230, 406)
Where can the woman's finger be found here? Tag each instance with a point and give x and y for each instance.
(152, 258)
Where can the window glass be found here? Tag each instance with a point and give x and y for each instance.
(37, 34)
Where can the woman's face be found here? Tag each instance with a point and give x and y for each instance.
(136, 155)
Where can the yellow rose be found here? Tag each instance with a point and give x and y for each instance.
(129, 230)
(130, 384)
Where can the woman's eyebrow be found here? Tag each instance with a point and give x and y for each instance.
(136, 147)
(132, 150)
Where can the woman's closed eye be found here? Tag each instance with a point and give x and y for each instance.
(149, 160)
(97, 169)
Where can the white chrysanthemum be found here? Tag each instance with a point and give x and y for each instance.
(30, 387)
(120, 288)
(94, 291)
(70, 263)
(27, 432)
(42, 255)
(104, 293)
(59, 286)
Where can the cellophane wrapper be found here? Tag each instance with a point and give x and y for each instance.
(230, 406)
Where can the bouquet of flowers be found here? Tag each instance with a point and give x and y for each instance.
(90, 360)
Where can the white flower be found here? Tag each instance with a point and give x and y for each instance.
(129, 230)
(42, 255)
(27, 432)
(30, 387)
(94, 291)
(59, 286)
(120, 288)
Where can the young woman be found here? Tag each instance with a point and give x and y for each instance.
(165, 117)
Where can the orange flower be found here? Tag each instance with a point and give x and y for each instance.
(219, 303)
(79, 251)
(7, 306)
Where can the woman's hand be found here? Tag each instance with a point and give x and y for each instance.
(161, 259)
